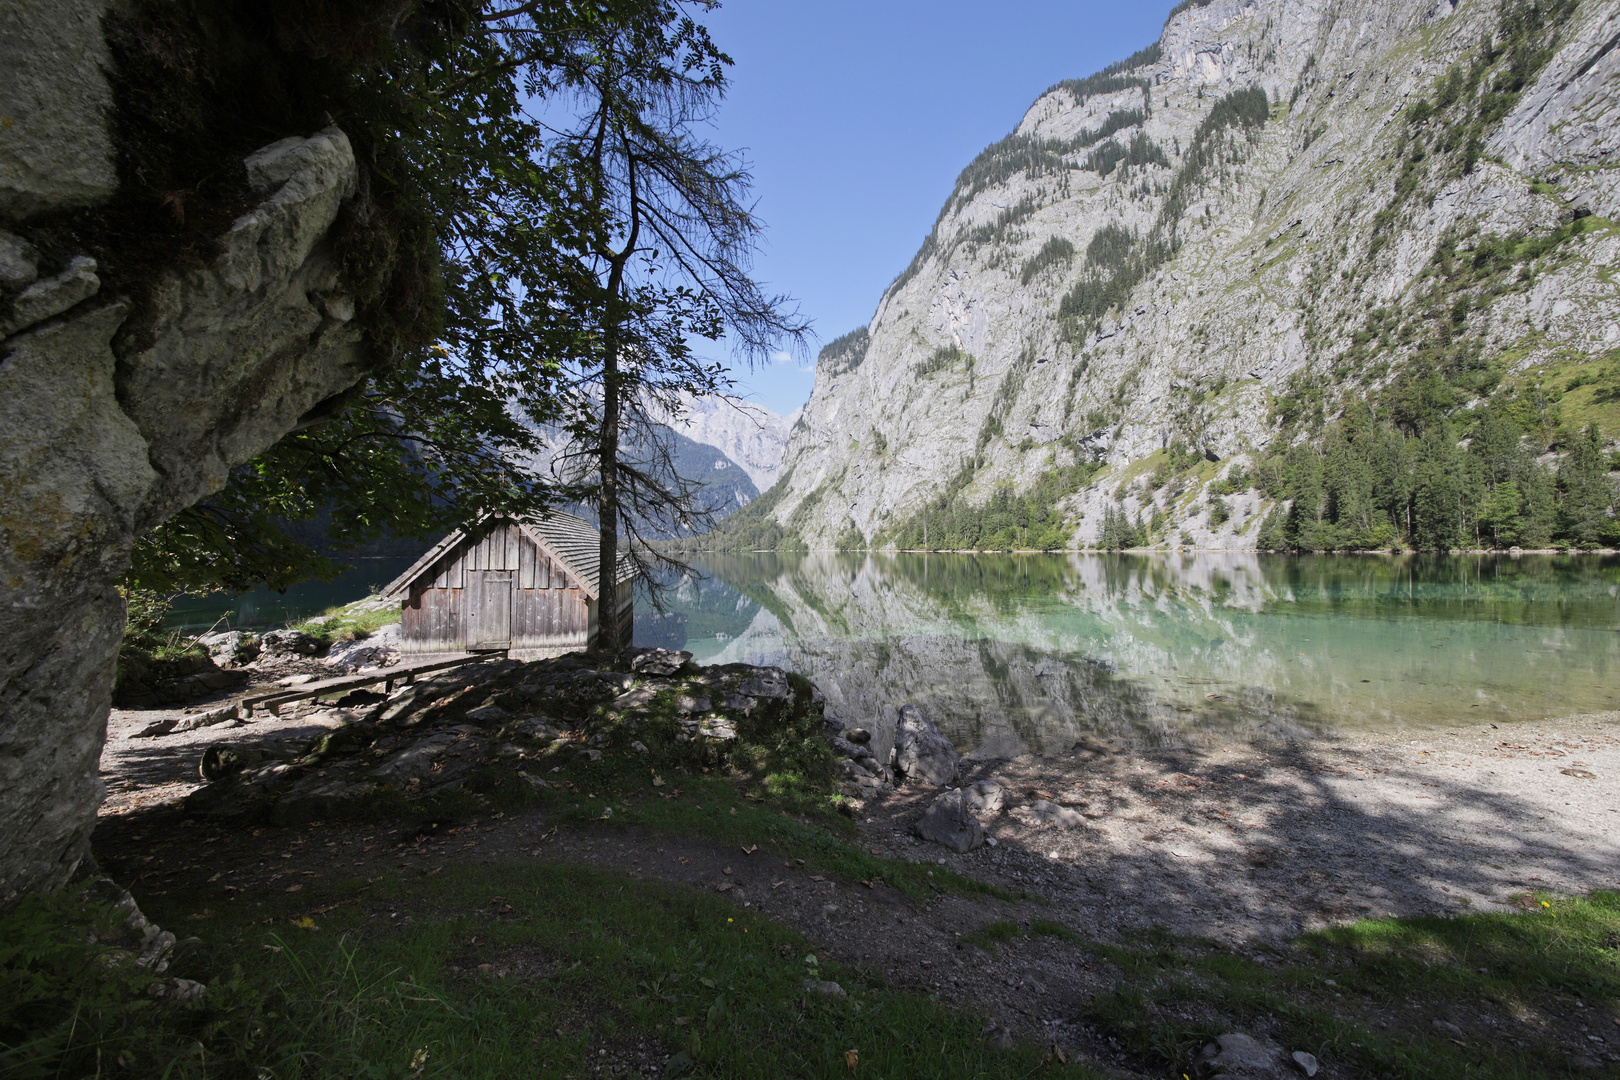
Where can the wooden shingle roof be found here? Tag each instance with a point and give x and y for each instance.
(576, 544)
(568, 538)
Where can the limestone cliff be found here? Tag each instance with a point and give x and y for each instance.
(749, 435)
(1193, 259)
(136, 370)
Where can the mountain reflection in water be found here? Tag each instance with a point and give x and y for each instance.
(1016, 653)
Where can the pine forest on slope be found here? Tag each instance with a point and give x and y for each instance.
(1297, 276)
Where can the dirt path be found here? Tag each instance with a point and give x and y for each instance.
(1243, 845)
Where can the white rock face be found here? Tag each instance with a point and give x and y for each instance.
(104, 433)
(1277, 266)
(752, 436)
(55, 143)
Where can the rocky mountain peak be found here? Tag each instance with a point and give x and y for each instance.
(1176, 269)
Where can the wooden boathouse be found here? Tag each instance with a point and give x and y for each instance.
(528, 584)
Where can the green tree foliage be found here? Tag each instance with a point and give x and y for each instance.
(944, 358)
(1008, 520)
(460, 177)
(1119, 532)
(1035, 157)
(1585, 495)
(1141, 151)
(1117, 260)
(1438, 490)
(1445, 133)
(753, 528)
(1113, 78)
(1372, 485)
(1185, 5)
(541, 157)
(844, 353)
(665, 260)
(1057, 251)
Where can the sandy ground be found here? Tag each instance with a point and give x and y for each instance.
(1243, 844)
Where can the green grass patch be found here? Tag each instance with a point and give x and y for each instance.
(992, 934)
(348, 622)
(1367, 994)
(1002, 931)
(723, 808)
(511, 970)
(1048, 928)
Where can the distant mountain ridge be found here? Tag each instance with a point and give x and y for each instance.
(749, 435)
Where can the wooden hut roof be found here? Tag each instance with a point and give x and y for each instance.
(570, 539)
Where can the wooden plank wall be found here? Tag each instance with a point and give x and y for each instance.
(549, 619)
(434, 620)
(550, 610)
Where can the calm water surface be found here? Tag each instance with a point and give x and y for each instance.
(263, 609)
(1013, 653)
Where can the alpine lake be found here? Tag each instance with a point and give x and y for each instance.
(1012, 654)
(1019, 653)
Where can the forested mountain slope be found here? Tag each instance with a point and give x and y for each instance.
(1318, 274)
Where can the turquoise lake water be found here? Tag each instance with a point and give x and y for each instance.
(1029, 652)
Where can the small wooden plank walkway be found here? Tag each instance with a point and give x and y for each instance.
(272, 700)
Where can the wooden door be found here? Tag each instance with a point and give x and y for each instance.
(489, 614)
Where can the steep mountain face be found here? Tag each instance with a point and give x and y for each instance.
(749, 435)
(1284, 215)
(730, 448)
(727, 486)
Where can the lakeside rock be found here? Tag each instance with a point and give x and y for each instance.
(921, 752)
(949, 821)
(485, 725)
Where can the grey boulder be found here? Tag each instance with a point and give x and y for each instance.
(948, 821)
(824, 986)
(293, 642)
(921, 752)
(985, 798)
(19, 262)
(231, 648)
(769, 683)
(1236, 1055)
(1053, 816)
(657, 661)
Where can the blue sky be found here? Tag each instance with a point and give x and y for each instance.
(856, 116)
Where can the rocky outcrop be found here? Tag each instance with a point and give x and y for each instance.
(921, 753)
(55, 146)
(117, 410)
(506, 722)
(984, 368)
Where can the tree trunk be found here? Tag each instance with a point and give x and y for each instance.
(607, 508)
